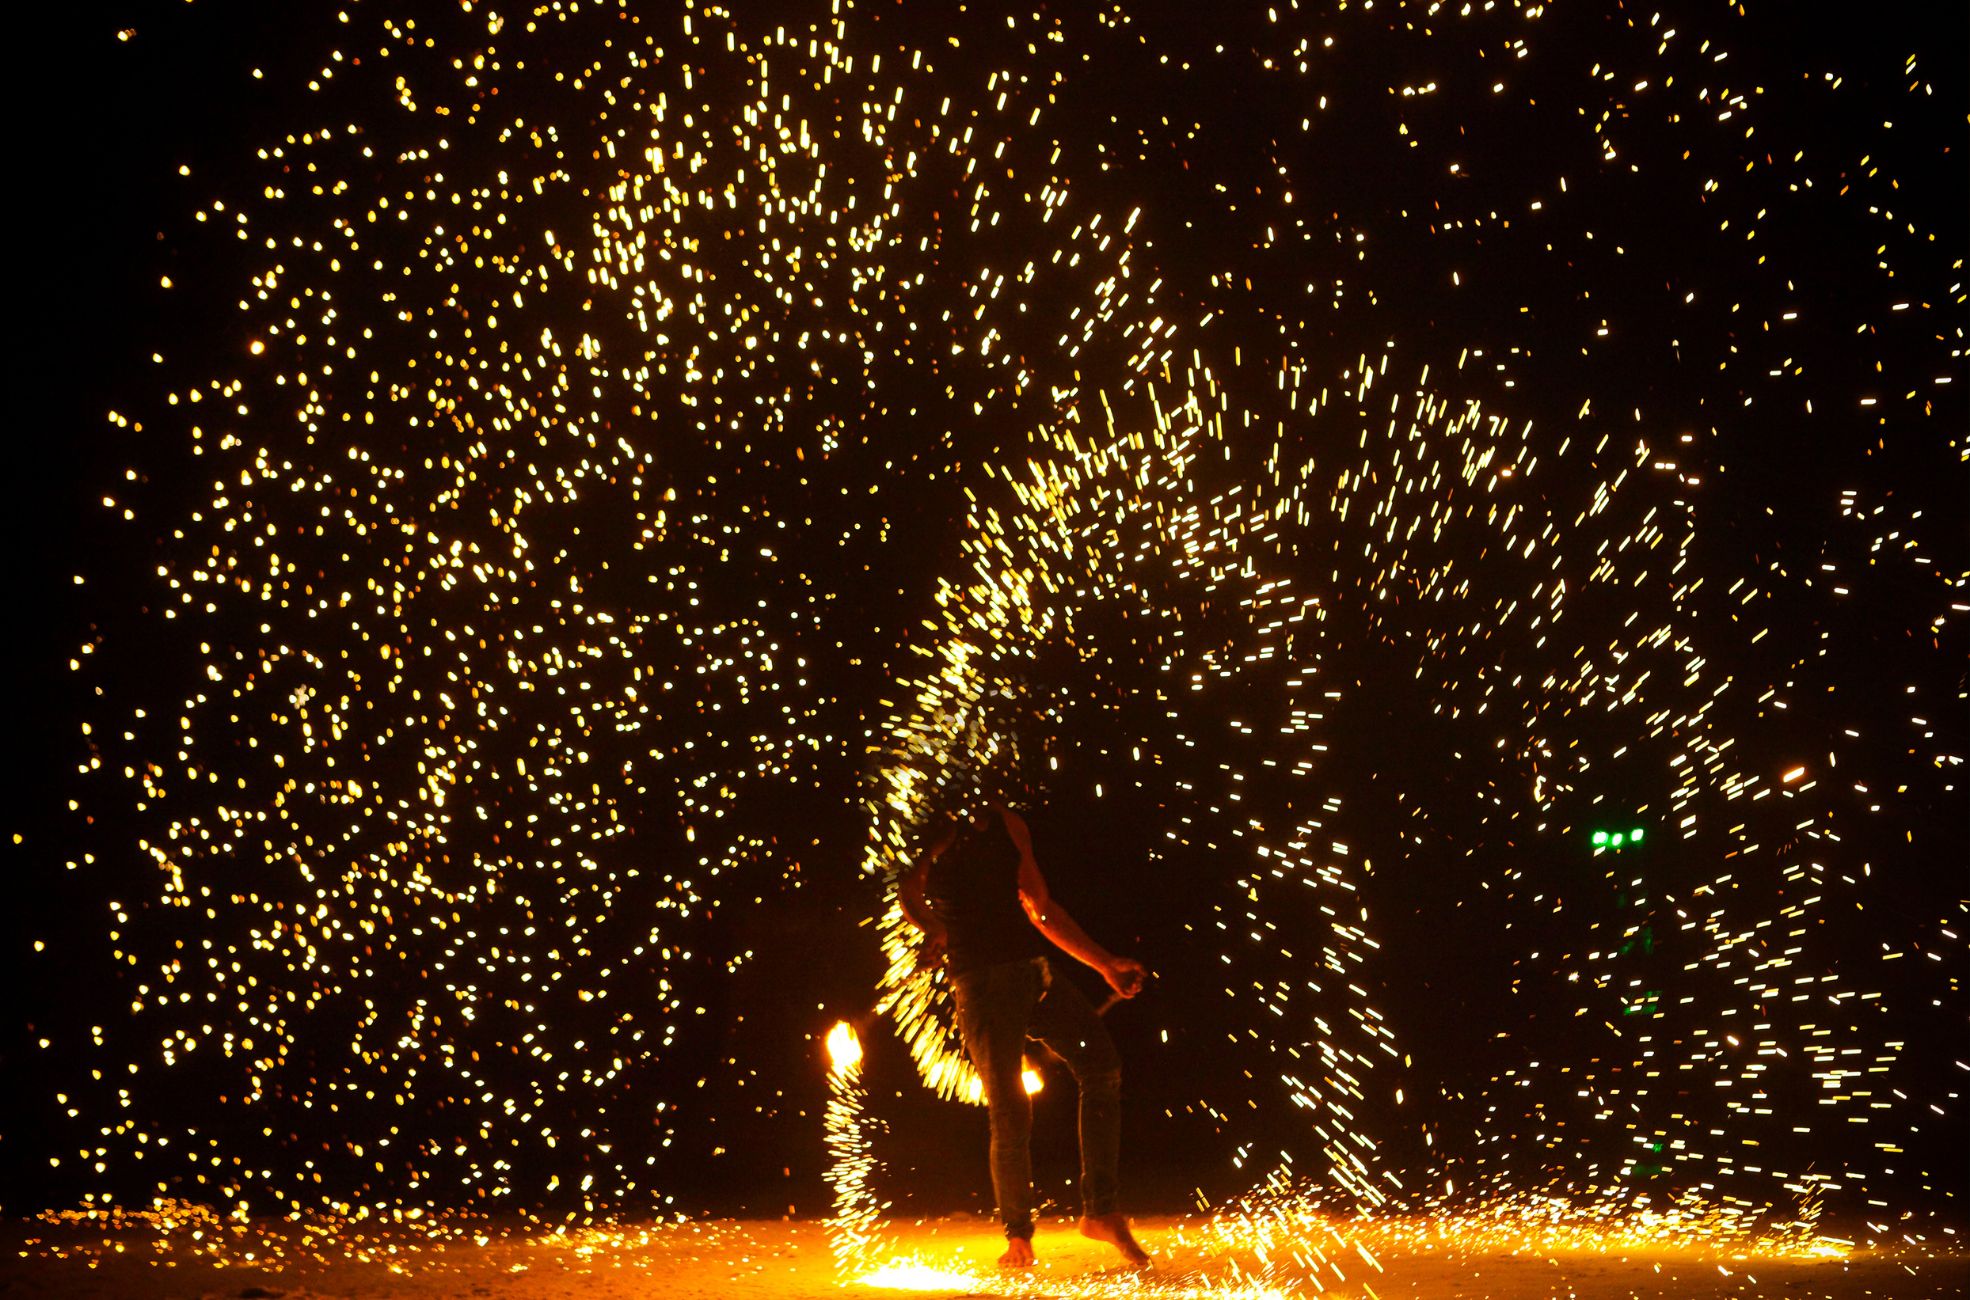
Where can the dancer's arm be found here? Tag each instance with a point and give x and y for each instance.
(1123, 974)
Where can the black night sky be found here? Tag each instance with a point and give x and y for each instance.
(499, 680)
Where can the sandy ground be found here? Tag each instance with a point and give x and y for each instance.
(755, 1260)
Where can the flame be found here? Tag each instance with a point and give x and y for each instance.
(974, 1087)
(844, 1048)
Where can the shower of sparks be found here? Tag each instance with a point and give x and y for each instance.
(1124, 530)
(633, 420)
(853, 1227)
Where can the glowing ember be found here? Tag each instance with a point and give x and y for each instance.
(914, 1275)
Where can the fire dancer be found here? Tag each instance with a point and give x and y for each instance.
(979, 898)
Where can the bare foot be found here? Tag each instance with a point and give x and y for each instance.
(1019, 1253)
(1114, 1229)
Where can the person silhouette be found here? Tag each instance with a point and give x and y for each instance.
(983, 906)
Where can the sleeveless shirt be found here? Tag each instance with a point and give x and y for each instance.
(973, 887)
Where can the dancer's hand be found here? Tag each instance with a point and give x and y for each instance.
(930, 955)
(1125, 975)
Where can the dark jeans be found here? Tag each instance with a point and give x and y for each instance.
(999, 1008)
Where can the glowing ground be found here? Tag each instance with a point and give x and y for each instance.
(792, 1259)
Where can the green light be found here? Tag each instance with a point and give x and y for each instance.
(1635, 836)
(1618, 840)
(1600, 838)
